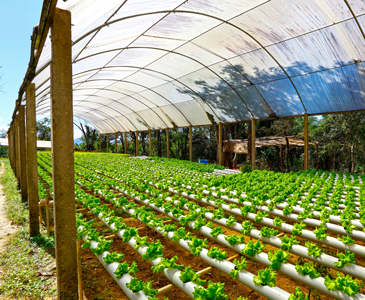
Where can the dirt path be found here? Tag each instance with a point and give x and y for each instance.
(6, 229)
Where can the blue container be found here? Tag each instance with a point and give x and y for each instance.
(203, 161)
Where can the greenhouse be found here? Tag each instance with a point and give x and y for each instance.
(196, 231)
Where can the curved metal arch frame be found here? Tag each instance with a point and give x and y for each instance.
(44, 98)
(176, 79)
(146, 88)
(106, 118)
(92, 122)
(282, 67)
(219, 19)
(173, 79)
(122, 104)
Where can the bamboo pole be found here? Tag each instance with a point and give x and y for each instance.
(306, 144)
(220, 146)
(167, 143)
(63, 155)
(253, 143)
(150, 141)
(191, 142)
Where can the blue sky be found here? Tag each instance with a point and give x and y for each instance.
(17, 19)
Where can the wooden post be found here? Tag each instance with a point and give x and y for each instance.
(125, 142)
(150, 141)
(220, 146)
(191, 142)
(17, 164)
(63, 156)
(137, 143)
(32, 167)
(287, 152)
(23, 155)
(100, 141)
(253, 143)
(116, 142)
(281, 159)
(167, 143)
(317, 155)
(306, 142)
(107, 143)
(79, 270)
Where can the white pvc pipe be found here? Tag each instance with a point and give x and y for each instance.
(287, 269)
(126, 278)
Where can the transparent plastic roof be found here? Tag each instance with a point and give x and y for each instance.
(141, 64)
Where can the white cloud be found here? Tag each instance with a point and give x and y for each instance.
(4, 127)
(1, 119)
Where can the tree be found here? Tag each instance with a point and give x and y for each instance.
(89, 136)
(44, 129)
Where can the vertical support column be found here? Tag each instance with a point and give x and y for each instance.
(15, 151)
(253, 143)
(167, 143)
(191, 142)
(125, 142)
(317, 155)
(32, 168)
(100, 142)
(306, 142)
(107, 143)
(10, 147)
(63, 156)
(116, 142)
(137, 143)
(220, 152)
(16, 127)
(150, 141)
(22, 155)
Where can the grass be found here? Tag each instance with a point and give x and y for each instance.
(25, 258)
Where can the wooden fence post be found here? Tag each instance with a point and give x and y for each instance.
(32, 167)
(63, 156)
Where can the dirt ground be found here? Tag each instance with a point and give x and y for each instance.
(6, 229)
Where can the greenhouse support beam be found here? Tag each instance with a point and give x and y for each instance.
(167, 143)
(125, 142)
(137, 143)
(100, 141)
(150, 141)
(306, 144)
(17, 148)
(191, 142)
(253, 143)
(13, 145)
(23, 155)
(11, 149)
(32, 167)
(116, 142)
(220, 151)
(63, 156)
(107, 143)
